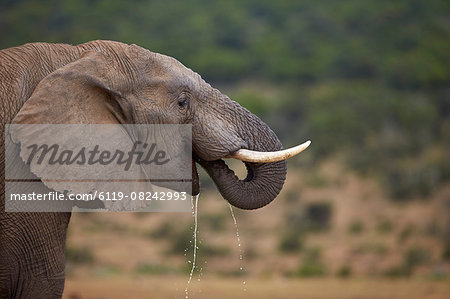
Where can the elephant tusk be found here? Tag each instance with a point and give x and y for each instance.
(259, 157)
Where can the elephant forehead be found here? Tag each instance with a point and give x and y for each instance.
(173, 70)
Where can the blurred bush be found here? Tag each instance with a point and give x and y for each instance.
(345, 271)
(79, 255)
(356, 227)
(309, 218)
(181, 241)
(413, 257)
(294, 230)
(312, 265)
(214, 250)
(215, 222)
(155, 269)
(165, 230)
(291, 241)
(318, 216)
(385, 226)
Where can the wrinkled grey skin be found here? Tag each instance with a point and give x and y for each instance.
(111, 82)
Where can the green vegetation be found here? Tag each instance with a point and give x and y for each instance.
(432, 228)
(291, 241)
(163, 231)
(311, 269)
(385, 226)
(79, 255)
(372, 247)
(107, 225)
(231, 273)
(294, 230)
(416, 256)
(213, 251)
(107, 271)
(315, 180)
(446, 249)
(292, 196)
(312, 218)
(398, 271)
(318, 216)
(356, 227)
(312, 265)
(413, 257)
(406, 233)
(345, 271)
(154, 269)
(446, 253)
(215, 222)
(181, 242)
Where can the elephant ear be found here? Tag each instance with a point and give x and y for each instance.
(86, 91)
(83, 92)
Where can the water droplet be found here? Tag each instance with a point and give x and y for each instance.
(195, 214)
(241, 268)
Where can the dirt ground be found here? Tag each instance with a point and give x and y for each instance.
(217, 288)
(397, 251)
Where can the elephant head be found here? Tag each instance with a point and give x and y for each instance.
(109, 82)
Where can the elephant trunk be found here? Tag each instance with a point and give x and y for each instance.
(264, 180)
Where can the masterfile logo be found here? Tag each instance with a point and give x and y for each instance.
(125, 167)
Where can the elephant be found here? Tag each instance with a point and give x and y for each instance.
(115, 83)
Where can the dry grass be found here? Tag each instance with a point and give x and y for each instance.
(173, 287)
(122, 243)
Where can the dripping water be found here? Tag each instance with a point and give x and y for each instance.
(194, 213)
(241, 268)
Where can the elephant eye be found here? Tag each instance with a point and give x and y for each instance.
(182, 102)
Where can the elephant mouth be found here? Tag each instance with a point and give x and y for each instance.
(195, 176)
(248, 157)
